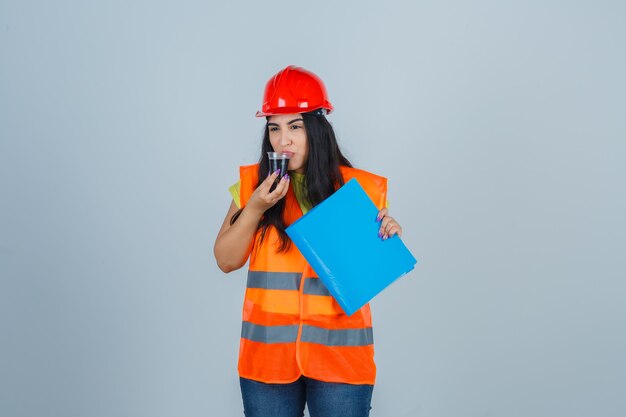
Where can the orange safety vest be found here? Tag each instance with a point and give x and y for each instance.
(292, 326)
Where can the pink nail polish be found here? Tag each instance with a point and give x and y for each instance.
(276, 172)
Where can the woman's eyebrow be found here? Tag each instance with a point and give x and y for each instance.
(290, 122)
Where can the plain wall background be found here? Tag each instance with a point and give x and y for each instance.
(500, 125)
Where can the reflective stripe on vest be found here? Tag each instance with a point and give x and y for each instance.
(343, 337)
(269, 334)
(285, 281)
(315, 286)
(274, 280)
(310, 334)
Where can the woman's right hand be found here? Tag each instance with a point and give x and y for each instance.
(262, 199)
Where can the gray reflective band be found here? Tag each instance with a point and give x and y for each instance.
(269, 334)
(344, 337)
(315, 286)
(274, 280)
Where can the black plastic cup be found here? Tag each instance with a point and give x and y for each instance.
(278, 161)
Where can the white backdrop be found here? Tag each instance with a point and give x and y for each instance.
(499, 124)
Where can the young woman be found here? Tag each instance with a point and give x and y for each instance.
(297, 345)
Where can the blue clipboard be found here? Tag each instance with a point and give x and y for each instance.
(339, 239)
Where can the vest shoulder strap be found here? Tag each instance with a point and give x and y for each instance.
(374, 185)
(249, 176)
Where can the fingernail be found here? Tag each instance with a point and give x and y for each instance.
(378, 218)
(380, 234)
(286, 177)
(276, 172)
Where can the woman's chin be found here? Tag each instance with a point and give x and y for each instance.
(294, 167)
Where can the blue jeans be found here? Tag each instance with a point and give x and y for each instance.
(324, 399)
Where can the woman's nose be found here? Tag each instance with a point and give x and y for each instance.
(285, 138)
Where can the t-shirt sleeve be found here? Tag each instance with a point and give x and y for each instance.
(234, 191)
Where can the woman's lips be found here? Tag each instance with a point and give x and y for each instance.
(288, 153)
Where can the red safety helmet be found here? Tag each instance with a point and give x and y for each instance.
(294, 90)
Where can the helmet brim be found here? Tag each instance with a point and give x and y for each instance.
(291, 110)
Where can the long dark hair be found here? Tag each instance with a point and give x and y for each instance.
(322, 174)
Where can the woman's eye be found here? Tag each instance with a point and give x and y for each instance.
(273, 129)
(294, 127)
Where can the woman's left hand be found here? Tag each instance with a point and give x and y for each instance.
(388, 226)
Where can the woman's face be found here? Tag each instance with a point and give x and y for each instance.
(287, 135)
